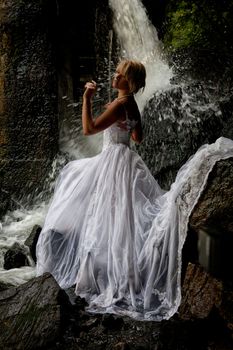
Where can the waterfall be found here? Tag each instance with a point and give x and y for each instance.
(138, 40)
(109, 65)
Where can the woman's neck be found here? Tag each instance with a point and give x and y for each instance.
(122, 94)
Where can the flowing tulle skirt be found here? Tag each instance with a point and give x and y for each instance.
(117, 236)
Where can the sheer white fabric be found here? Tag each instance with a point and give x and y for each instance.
(115, 234)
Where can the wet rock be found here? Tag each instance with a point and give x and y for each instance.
(28, 91)
(201, 334)
(4, 286)
(201, 293)
(212, 219)
(4, 203)
(92, 322)
(30, 315)
(112, 322)
(31, 241)
(51, 321)
(214, 210)
(121, 346)
(204, 318)
(226, 307)
(207, 298)
(174, 133)
(15, 257)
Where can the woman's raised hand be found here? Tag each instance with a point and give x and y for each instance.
(91, 88)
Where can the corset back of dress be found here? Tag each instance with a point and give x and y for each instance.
(116, 134)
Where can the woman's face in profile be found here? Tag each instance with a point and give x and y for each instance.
(119, 80)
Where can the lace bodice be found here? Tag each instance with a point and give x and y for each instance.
(116, 134)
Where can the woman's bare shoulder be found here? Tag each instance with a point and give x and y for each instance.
(131, 108)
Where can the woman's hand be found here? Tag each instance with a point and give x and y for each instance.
(122, 124)
(91, 88)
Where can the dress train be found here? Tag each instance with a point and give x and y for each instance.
(115, 234)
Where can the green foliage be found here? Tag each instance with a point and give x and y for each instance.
(205, 24)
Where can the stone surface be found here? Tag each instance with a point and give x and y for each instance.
(4, 286)
(201, 293)
(30, 315)
(15, 257)
(174, 133)
(31, 241)
(39, 315)
(28, 100)
(212, 220)
(214, 210)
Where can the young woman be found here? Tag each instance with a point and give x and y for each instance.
(129, 78)
(110, 229)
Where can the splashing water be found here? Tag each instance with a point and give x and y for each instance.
(17, 226)
(138, 40)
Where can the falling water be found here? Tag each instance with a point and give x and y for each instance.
(109, 65)
(138, 40)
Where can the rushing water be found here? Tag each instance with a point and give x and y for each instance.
(137, 39)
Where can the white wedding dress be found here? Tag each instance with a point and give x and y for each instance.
(116, 235)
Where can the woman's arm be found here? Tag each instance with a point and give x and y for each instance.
(87, 120)
(137, 134)
(92, 126)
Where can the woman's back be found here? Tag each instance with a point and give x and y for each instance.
(120, 131)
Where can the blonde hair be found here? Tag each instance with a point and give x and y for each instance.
(135, 73)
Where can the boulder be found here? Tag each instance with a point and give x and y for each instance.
(32, 239)
(201, 293)
(214, 210)
(30, 315)
(212, 220)
(174, 133)
(15, 257)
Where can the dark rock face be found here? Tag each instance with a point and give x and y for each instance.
(31, 241)
(173, 132)
(4, 286)
(5, 203)
(15, 258)
(75, 52)
(19, 255)
(29, 132)
(201, 293)
(30, 315)
(39, 315)
(214, 210)
(212, 219)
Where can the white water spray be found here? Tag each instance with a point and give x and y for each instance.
(138, 40)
